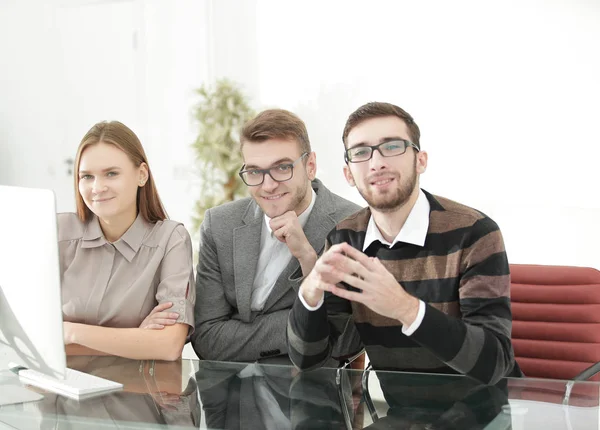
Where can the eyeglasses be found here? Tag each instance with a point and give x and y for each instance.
(279, 173)
(391, 148)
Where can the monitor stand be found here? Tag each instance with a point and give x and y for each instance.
(12, 390)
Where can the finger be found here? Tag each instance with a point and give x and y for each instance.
(162, 321)
(332, 253)
(328, 273)
(153, 327)
(327, 255)
(288, 230)
(377, 262)
(316, 281)
(363, 266)
(348, 295)
(334, 274)
(276, 223)
(280, 234)
(163, 315)
(287, 218)
(356, 282)
(377, 266)
(349, 266)
(362, 271)
(355, 254)
(337, 248)
(333, 278)
(161, 307)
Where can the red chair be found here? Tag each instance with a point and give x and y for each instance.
(556, 321)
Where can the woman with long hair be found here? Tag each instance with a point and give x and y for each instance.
(121, 258)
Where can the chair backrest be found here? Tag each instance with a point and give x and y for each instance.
(556, 319)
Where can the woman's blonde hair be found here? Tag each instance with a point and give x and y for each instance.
(148, 202)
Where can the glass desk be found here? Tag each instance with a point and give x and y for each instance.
(216, 395)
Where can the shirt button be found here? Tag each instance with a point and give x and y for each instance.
(181, 302)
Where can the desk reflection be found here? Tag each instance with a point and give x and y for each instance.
(418, 401)
(235, 396)
(152, 395)
(268, 397)
(273, 397)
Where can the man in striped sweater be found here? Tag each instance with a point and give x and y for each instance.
(420, 281)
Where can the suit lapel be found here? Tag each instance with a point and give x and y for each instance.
(320, 222)
(246, 250)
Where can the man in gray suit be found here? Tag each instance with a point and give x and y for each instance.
(254, 252)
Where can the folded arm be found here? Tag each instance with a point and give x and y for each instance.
(133, 343)
(76, 349)
(228, 339)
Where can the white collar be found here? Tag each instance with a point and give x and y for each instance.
(303, 217)
(413, 231)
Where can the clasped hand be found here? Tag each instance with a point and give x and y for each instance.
(380, 291)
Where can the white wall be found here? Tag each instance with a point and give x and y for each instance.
(48, 90)
(507, 96)
(29, 117)
(176, 44)
(233, 43)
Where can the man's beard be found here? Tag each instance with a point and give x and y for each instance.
(299, 196)
(394, 199)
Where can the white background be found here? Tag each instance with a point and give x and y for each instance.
(506, 94)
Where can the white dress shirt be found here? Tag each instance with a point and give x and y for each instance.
(414, 231)
(273, 258)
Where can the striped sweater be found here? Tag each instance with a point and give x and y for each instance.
(462, 275)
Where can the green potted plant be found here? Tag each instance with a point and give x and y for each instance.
(221, 112)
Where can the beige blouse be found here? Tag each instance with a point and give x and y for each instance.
(117, 284)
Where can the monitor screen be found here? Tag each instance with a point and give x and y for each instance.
(31, 331)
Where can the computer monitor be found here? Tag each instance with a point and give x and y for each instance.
(31, 325)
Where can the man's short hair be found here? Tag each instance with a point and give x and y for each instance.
(276, 124)
(379, 109)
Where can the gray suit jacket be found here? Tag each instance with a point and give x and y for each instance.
(226, 328)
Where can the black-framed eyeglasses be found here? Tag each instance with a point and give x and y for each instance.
(391, 148)
(279, 173)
